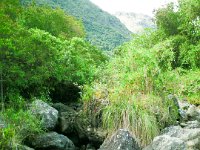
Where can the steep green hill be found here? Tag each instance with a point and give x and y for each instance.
(102, 29)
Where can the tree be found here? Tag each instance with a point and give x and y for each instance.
(167, 20)
(190, 19)
(182, 26)
(54, 21)
(39, 57)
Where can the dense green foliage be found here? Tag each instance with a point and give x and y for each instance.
(102, 29)
(182, 27)
(132, 89)
(19, 124)
(43, 54)
(55, 21)
(35, 59)
(40, 49)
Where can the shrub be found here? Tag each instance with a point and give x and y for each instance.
(132, 85)
(20, 125)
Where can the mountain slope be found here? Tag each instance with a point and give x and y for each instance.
(102, 29)
(136, 23)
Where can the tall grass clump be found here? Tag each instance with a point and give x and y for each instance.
(132, 90)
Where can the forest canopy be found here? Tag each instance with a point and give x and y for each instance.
(41, 47)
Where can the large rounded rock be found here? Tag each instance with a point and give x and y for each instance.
(191, 124)
(76, 125)
(166, 142)
(67, 120)
(121, 140)
(60, 107)
(176, 138)
(52, 141)
(193, 113)
(86, 131)
(48, 114)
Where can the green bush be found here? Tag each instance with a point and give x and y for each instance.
(131, 89)
(39, 55)
(132, 84)
(189, 86)
(20, 124)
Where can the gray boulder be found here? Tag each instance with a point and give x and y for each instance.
(193, 113)
(52, 141)
(190, 124)
(189, 112)
(121, 140)
(48, 114)
(71, 121)
(183, 133)
(176, 138)
(165, 142)
(67, 118)
(183, 104)
(60, 107)
(86, 131)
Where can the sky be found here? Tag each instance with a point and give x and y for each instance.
(137, 6)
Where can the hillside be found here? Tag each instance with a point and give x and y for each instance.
(102, 29)
(60, 92)
(135, 22)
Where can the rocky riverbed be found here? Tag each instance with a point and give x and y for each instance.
(68, 128)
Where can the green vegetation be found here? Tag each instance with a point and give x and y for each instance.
(34, 56)
(43, 54)
(40, 48)
(102, 29)
(55, 21)
(133, 87)
(19, 124)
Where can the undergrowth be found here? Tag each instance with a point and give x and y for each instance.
(132, 89)
(19, 124)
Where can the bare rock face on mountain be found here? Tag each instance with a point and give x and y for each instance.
(136, 23)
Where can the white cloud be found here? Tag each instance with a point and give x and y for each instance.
(137, 6)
